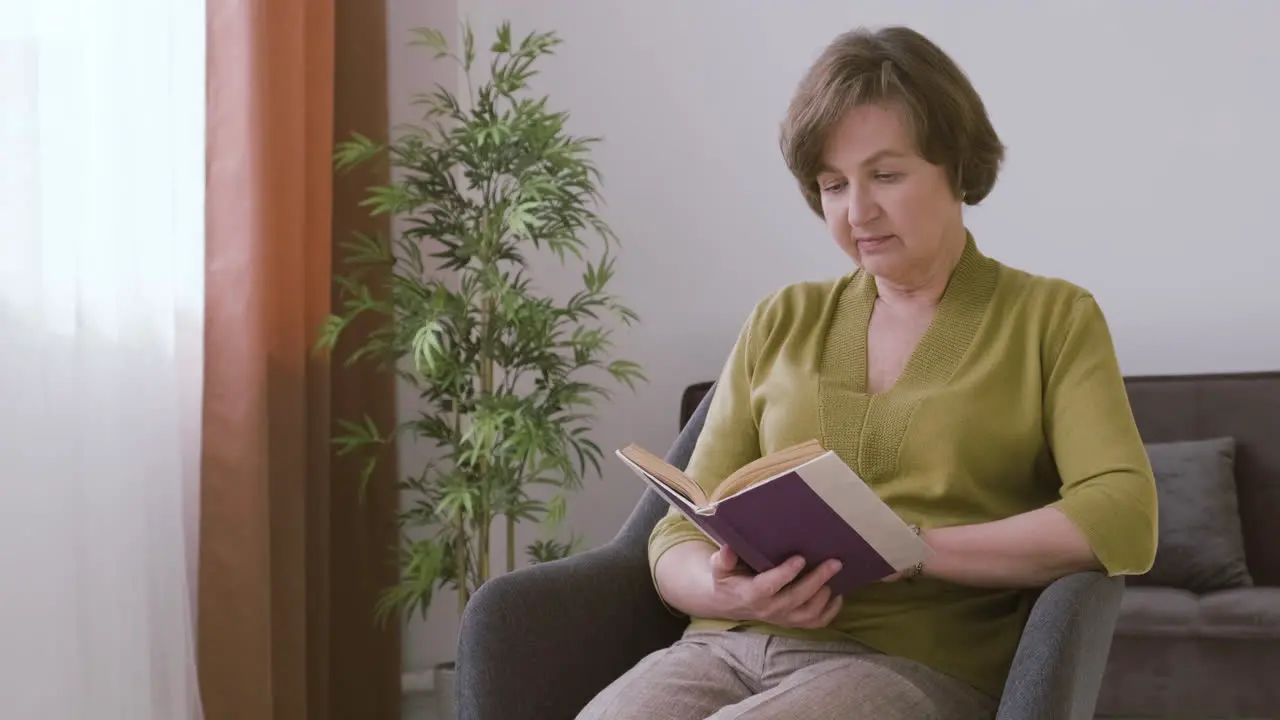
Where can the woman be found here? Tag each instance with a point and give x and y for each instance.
(984, 404)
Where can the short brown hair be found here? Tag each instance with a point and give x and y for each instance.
(894, 65)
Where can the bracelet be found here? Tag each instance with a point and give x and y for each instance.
(918, 569)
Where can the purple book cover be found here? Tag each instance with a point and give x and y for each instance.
(785, 517)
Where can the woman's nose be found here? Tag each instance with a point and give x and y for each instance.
(862, 206)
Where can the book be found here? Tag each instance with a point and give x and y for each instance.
(802, 500)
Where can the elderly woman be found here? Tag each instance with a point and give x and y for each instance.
(983, 403)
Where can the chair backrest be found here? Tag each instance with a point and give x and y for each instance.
(1244, 406)
(691, 398)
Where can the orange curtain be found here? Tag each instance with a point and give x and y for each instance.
(290, 560)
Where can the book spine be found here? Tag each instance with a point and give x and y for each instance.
(707, 525)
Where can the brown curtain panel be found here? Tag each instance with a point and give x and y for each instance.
(364, 678)
(291, 559)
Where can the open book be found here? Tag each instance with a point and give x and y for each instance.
(802, 500)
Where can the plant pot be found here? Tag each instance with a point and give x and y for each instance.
(445, 674)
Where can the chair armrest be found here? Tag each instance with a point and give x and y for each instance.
(1058, 667)
(540, 642)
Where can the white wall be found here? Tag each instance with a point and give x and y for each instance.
(1143, 153)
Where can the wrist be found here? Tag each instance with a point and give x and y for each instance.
(937, 540)
(920, 568)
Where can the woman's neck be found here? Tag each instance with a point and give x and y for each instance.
(925, 288)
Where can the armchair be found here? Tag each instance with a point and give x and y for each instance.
(539, 643)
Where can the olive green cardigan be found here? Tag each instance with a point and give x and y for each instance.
(1012, 401)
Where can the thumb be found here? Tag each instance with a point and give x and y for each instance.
(724, 561)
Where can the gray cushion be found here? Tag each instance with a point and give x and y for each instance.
(1201, 544)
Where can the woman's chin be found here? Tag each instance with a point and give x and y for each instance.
(878, 264)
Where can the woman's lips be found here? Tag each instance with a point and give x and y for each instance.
(871, 242)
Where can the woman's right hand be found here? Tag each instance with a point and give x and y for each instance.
(780, 596)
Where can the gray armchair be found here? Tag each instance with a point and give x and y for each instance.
(539, 643)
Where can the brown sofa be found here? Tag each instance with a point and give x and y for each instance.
(1180, 652)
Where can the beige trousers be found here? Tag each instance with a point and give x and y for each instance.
(709, 675)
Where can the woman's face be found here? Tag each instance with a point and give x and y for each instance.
(888, 208)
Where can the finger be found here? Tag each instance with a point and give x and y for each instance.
(812, 609)
(770, 582)
(810, 584)
(800, 591)
(830, 611)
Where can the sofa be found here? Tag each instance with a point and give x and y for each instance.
(1184, 647)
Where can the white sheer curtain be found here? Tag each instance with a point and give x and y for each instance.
(101, 289)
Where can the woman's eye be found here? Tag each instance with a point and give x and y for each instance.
(833, 186)
(888, 177)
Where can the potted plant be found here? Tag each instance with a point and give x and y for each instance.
(507, 376)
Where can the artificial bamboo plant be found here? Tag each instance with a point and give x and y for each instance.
(507, 376)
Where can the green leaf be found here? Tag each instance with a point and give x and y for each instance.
(431, 38)
(359, 149)
(330, 331)
(557, 506)
(469, 48)
(626, 371)
(428, 349)
(388, 199)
